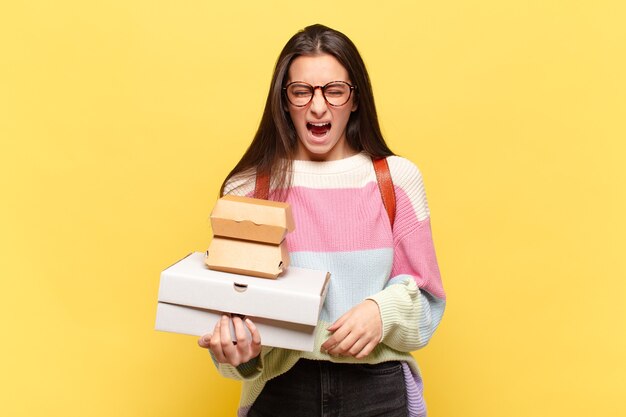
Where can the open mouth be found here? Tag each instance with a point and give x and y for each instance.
(318, 129)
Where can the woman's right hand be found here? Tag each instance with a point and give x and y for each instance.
(221, 344)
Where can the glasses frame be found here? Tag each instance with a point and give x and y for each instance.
(322, 88)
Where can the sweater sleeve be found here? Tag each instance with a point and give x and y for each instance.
(413, 301)
(241, 184)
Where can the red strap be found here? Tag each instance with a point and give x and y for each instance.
(385, 184)
(262, 186)
(383, 177)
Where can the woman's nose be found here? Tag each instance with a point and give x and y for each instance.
(318, 102)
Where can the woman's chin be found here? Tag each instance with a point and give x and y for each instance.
(324, 151)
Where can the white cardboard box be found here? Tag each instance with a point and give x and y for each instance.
(193, 297)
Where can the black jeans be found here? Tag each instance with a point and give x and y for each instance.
(326, 389)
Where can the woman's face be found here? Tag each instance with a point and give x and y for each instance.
(321, 128)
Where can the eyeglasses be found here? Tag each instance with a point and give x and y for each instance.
(336, 93)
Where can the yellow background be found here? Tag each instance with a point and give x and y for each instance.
(119, 120)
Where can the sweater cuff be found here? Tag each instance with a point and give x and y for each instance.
(393, 305)
(386, 313)
(248, 369)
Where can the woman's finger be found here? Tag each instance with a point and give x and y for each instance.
(333, 341)
(344, 346)
(205, 340)
(229, 349)
(216, 344)
(329, 344)
(254, 332)
(357, 347)
(366, 350)
(241, 334)
(338, 323)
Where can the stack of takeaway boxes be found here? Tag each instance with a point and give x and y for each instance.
(245, 272)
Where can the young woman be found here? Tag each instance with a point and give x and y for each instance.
(316, 141)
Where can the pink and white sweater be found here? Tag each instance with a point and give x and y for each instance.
(342, 227)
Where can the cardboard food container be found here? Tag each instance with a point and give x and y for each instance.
(285, 310)
(249, 236)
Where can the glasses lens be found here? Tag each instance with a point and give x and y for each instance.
(299, 94)
(337, 93)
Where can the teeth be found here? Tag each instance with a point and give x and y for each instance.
(319, 124)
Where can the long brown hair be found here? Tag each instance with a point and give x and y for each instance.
(275, 143)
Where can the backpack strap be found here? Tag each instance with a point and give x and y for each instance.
(385, 185)
(383, 177)
(262, 186)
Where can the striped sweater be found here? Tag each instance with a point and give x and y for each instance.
(342, 227)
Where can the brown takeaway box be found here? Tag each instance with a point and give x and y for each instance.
(249, 236)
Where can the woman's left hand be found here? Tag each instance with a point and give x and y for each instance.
(357, 332)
